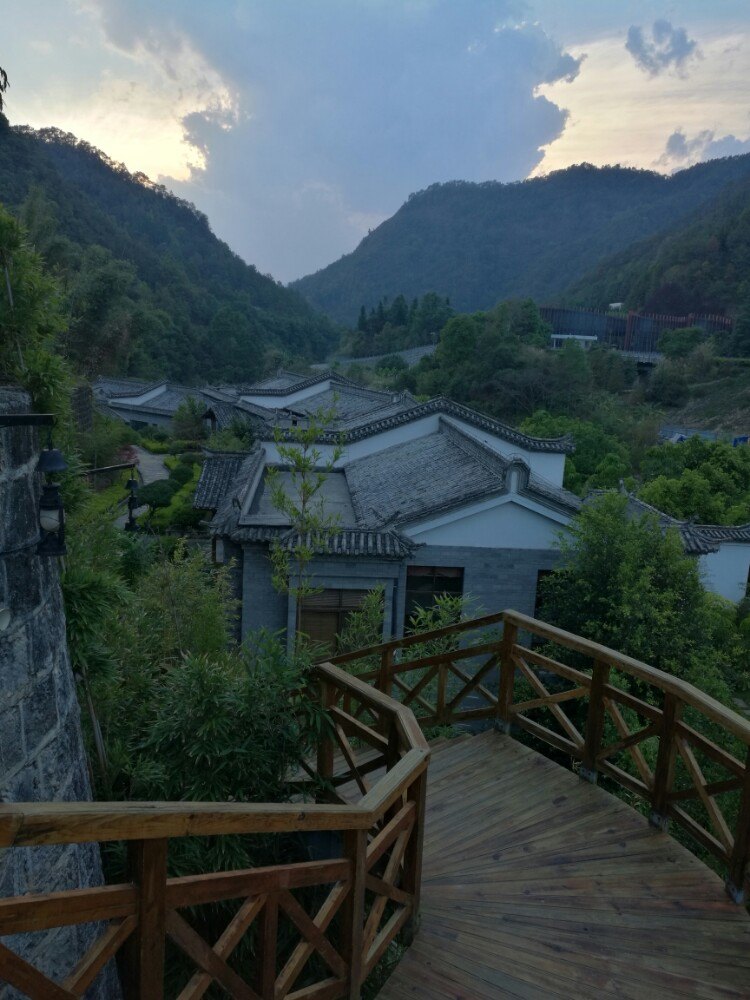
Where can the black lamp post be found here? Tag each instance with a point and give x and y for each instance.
(51, 512)
(132, 488)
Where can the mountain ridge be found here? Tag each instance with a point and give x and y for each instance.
(188, 306)
(478, 243)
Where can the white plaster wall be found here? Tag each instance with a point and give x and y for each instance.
(503, 524)
(276, 402)
(548, 465)
(725, 572)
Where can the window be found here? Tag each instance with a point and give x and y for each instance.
(425, 583)
(323, 615)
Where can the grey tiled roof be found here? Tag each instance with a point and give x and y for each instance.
(346, 401)
(346, 542)
(230, 504)
(285, 382)
(217, 475)
(438, 472)
(104, 386)
(442, 405)
(414, 478)
(725, 532)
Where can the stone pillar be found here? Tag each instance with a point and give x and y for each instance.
(41, 748)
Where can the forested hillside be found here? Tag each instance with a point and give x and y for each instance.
(480, 243)
(702, 265)
(149, 289)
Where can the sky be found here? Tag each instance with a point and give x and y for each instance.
(299, 125)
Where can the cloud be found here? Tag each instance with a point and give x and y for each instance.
(319, 119)
(682, 151)
(665, 48)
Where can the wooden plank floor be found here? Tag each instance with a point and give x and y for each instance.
(537, 884)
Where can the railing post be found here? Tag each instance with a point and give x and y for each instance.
(385, 677)
(268, 930)
(594, 722)
(143, 955)
(412, 876)
(353, 911)
(739, 865)
(325, 742)
(507, 675)
(441, 697)
(665, 762)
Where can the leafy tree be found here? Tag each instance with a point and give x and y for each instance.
(708, 480)
(187, 422)
(679, 343)
(301, 500)
(600, 460)
(667, 385)
(157, 494)
(628, 584)
(3, 86)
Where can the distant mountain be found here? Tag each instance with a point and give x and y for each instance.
(480, 243)
(700, 265)
(151, 289)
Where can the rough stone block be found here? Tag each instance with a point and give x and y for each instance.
(40, 712)
(12, 750)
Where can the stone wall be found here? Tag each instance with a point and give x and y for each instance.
(41, 749)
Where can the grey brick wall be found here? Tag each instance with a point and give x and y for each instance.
(495, 578)
(41, 749)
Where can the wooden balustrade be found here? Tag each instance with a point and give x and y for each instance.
(662, 740)
(343, 911)
(684, 754)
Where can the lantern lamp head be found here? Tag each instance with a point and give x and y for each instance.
(51, 460)
(52, 522)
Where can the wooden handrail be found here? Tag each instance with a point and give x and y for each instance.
(144, 911)
(438, 685)
(382, 829)
(685, 692)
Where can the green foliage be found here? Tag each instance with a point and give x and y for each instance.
(157, 494)
(698, 265)
(494, 361)
(187, 422)
(179, 514)
(301, 501)
(147, 287)
(101, 445)
(394, 326)
(682, 342)
(480, 243)
(706, 480)
(667, 385)
(600, 460)
(627, 584)
(362, 628)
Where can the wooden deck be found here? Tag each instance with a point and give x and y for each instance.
(537, 884)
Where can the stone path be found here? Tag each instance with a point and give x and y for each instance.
(151, 468)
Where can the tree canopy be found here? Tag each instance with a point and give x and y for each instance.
(148, 289)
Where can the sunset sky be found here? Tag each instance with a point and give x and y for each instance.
(297, 125)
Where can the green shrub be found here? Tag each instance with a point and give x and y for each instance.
(157, 494)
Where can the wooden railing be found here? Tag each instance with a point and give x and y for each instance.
(369, 888)
(660, 739)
